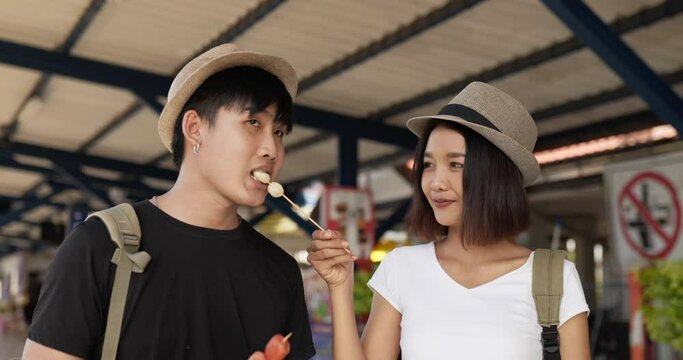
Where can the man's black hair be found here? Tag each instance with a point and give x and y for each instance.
(242, 88)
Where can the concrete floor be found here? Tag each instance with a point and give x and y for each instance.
(11, 344)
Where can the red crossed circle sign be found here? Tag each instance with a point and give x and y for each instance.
(630, 195)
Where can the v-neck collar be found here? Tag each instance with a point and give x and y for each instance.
(443, 271)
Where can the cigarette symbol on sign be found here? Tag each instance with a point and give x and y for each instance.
(660, 213)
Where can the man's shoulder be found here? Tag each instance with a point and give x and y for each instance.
(88, 236)
(270, 249)
(89, 241)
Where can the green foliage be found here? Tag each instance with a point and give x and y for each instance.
(662, 302)
(362, 295)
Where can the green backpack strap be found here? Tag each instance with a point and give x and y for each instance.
(547, 283)
(124, 228)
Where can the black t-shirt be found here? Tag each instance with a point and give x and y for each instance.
(206, 294)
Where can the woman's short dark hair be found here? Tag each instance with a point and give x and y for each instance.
(494, 205)
(245, 87)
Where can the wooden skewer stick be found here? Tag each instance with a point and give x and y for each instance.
(287, 337)
(309, 218)
(303, 212)
(275, 189)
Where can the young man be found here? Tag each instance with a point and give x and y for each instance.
(215, 288)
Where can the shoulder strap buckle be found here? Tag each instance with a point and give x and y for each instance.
(550, 338)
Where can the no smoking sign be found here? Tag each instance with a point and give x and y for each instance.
(649, 213)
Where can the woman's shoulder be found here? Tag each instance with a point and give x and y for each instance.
(412, 252)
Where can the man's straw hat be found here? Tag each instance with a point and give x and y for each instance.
(219, 58)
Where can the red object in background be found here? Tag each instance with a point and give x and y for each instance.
(363, 264)
(350, 211)
(668, 238)
(639, 342)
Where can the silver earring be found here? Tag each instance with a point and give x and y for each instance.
(195, 149)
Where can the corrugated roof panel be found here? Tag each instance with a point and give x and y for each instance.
(488, 34)
(157, 183)
(574, 76)
(70, 196)
(583, 73)
(368, 150)
(101, 173)
(45, 24)
(629, 105)
(594, 114)
(72, 111)
(41, 213)
(609, 10)
(428, 109)
(14, 228)
(459, 47)
(157, 35)
(15, 86)
(17, 182)
(312, 34)
(136, 140)
(658, 45)
(387, 185)
(33, 161)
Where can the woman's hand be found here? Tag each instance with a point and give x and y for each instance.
(330, 257)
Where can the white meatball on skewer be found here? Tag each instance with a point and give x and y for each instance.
(275, 189)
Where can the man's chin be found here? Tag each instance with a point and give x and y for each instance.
(255, 202)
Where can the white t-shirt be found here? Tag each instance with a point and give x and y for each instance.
(441, 319)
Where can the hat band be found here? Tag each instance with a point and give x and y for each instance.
(468, 114)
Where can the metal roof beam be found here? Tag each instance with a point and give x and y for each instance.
(621, 58)
(150, 84)
(86, 19)
(73, 175)
(607, 127)
(30, 202)
(134, 188)
(82, 68)
(347, 160)
(546, 114)
(329, 176)
(150, 99)
(360, 128)
(60, 156)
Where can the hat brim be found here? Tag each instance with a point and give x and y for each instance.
(523, 158)
(272, 64)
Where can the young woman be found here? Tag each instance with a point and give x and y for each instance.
(466, 294)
